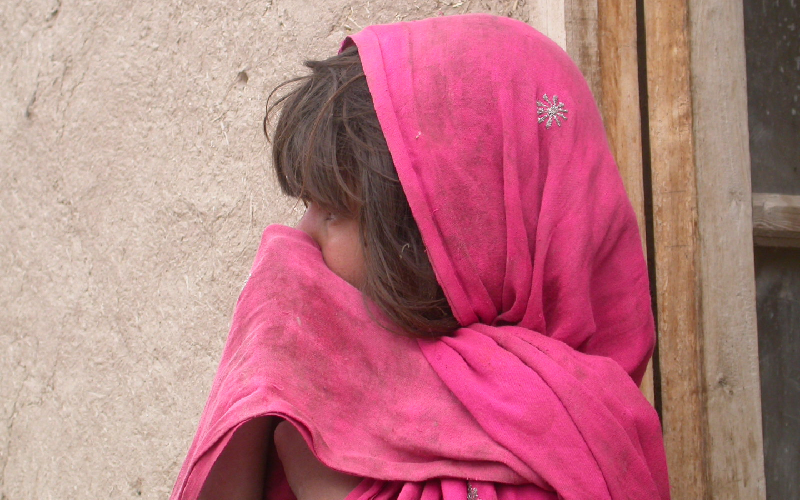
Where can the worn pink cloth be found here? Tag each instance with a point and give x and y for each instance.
(501, 152)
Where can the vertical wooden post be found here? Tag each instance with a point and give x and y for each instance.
(581, 20)
(548, 17)
(735, 460)
(705, 285)
(676, 244)
(619, 84)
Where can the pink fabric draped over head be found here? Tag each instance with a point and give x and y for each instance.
(502, 155)
(526, 221)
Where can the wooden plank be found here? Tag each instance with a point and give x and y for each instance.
(619, 88)
(730, 340)
(676, 246)
(581, 21)
(548, 17)
(619, 82)
(776, 220)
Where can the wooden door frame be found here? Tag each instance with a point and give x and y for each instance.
(687, 171)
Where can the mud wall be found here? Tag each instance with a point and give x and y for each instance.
(134, 186)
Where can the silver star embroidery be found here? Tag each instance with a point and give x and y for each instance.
(472, 492)
(551, 111)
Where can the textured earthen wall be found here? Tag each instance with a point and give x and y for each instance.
(134, 186)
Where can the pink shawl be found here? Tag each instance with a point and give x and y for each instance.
(501, 152)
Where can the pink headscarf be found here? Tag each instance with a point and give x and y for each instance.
(502, 155)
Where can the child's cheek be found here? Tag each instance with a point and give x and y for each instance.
(343, 251)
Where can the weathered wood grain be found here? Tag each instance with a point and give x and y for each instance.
(580, 18)
(735, 463)
(776, 220)
(548, 17)
(619, 103)
(676, 245)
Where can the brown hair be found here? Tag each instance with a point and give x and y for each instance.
(328, 147)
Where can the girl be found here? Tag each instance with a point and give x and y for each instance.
(463, 312)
